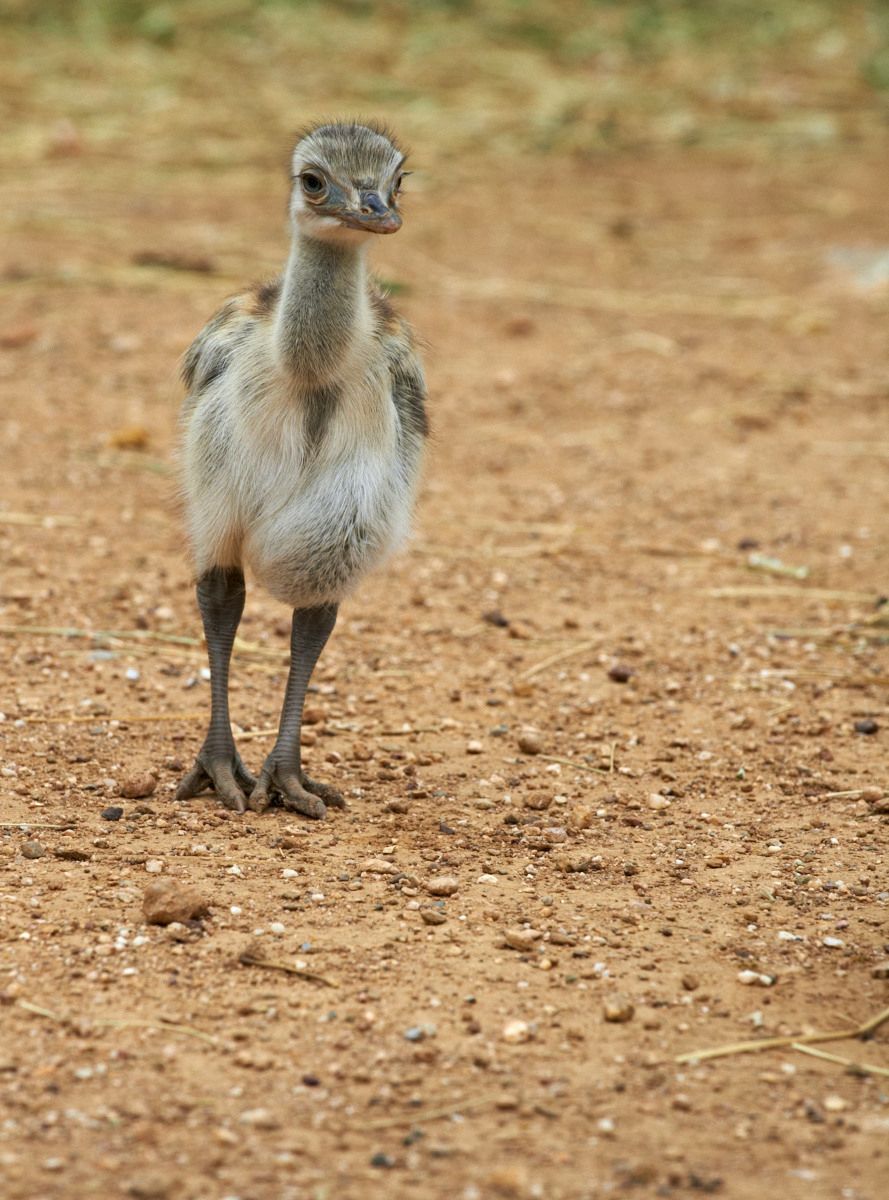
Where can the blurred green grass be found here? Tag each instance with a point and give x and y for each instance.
(203, 84)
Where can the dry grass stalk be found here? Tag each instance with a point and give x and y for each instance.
(251, 734)
(580, 766)
(431, 1114)
(854, 794)
(26, 824)
(854, 1068)
(571, 652)
(128, 718)
(782, 592)
(250, 958)
(782, 1043)
(160, 1024)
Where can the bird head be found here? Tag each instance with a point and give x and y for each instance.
(346, 182)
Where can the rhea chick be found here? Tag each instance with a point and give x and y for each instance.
(303, 430)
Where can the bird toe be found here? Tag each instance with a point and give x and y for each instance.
(331, 797)
(229, 779)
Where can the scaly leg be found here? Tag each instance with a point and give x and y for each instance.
(221, 595)
(282, 771)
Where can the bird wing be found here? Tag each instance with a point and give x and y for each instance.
(210, 353)
(405, 368)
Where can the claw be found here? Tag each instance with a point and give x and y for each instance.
(331, 797)
(294, 792)
(227, 776)
(196, 781)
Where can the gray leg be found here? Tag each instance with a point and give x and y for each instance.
(282, 771)
(221, 595)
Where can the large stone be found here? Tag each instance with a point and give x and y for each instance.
(170, 900)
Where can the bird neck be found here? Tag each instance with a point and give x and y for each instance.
(324, 309)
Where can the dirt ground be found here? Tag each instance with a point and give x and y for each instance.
(644, 369)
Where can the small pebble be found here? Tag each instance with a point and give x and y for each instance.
(658, 802)
(755, 978)
(432, 916)
(442, 885)
(112, 813)
(260, 1118)
(833, 943)
(618, 1009)
(620, 673)
(137, 786)
(382, 1160)
(517, 1032)
(474, 747)
(530, 742)
(881, 970)
(32, 849)
(380, 866)
(154, 866)
(521, 939)
(867, 726)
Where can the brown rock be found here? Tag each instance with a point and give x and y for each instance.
(432, 916)
(170, 900)
(618, 1009)
(577, 861)
(151, 1185)
(521, 939)
(32, 849)
(530, 742)
(442, 885)
(137, 786)
(581, 816)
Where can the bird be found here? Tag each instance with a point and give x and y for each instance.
(302, 437)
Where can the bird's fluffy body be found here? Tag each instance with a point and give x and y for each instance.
(304, 420)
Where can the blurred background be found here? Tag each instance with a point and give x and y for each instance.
(205, 90)
(216, 84)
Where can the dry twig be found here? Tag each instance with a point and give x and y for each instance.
(571, 652)
(782, 1043)
(580, 766)
(854, 1068)
(430, 1114)
(249, 958)
(779, 592)
(160, 1024)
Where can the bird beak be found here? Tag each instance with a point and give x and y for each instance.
(374, 216)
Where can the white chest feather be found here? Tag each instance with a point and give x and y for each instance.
(309, 490)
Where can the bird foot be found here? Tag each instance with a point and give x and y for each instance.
(225, 773)
(295, 790)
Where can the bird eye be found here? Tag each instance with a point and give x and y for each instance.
(313, 185)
